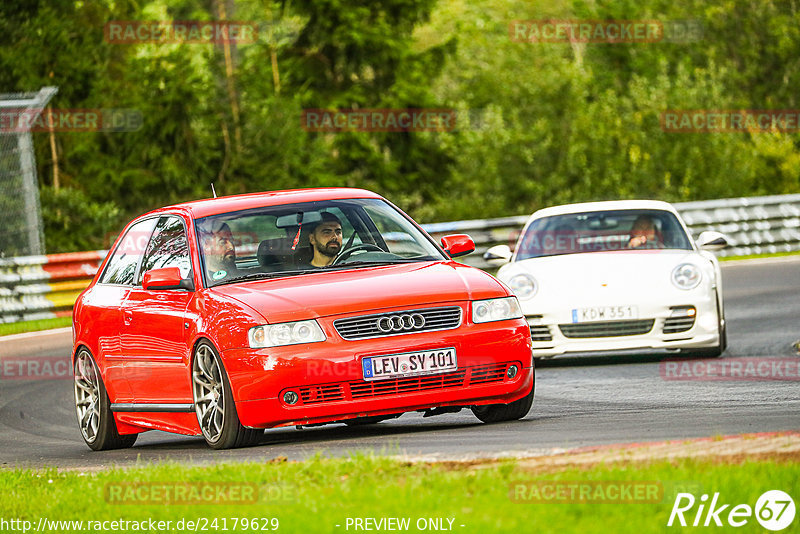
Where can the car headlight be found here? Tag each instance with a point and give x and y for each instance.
(277, 335)
(686, 276)
(523, 285)
(484, 311)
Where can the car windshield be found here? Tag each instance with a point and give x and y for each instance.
(275, 241)
(601, 231)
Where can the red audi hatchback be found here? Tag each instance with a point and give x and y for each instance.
(226, 316)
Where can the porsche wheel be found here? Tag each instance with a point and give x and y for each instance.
(214, 405)
(98, 428)
(713, 352)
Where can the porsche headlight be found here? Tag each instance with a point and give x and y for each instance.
(523, 285)
(485, 311)
(686, 276)
(276, 335)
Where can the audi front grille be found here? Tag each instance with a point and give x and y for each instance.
(398, 323)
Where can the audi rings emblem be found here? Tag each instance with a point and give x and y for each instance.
(400, 323)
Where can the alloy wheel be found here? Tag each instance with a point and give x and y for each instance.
(87, 395)
(209, 393)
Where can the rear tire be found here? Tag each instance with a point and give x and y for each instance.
(214, 405)
(95, 419)
(496, 413)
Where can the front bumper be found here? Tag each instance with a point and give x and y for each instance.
(551, 334)
(328, 376)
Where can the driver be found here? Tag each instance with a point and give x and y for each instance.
(218, 250)
(326, 240)
(644, 234)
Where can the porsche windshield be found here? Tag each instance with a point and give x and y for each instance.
(602, 231)
(295, 239)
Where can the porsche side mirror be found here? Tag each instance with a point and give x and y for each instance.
(458, 245)
(498, 255)
(166, 278)
(709, 240)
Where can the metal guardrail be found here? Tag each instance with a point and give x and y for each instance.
(41, 287)
(35, 287)
(753, 225)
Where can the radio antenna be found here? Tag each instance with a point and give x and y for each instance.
(213, 191)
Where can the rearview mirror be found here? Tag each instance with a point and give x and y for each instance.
(710, 240)
(458, 245)
(498, 255)
(166, 278)
(296, 219)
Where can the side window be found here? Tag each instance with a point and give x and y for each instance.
(121, 267)
(167, 248)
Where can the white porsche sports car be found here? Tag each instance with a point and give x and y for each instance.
(609, 276)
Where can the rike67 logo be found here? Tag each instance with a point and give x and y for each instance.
(774, 510)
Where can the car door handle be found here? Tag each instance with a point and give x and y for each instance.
(127, 317)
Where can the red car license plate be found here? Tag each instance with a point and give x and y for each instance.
(409, 364)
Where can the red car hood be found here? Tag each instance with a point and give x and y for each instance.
(320, 294)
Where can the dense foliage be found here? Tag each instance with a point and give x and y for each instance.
(539, 123)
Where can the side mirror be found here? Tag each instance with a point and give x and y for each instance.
(458, 245)
(498, 255)
(166, 278)
(709, 240)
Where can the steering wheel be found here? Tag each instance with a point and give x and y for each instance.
(349, 252)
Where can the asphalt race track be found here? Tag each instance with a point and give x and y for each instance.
(580, 401)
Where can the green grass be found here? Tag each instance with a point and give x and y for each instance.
(318, 494)
(34, 326)
(754, 256)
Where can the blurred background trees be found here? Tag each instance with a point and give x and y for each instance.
(539, 123)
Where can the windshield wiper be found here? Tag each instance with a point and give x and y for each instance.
(347, 265)
(361, 263)
(264, 275)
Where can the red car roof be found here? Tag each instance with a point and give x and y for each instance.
(215, 206)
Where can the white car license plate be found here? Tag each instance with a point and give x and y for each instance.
(409, 364)
(604, 313)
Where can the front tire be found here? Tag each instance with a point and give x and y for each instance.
(713, 352)
(95, 419)
(496, 413)
(213, 402)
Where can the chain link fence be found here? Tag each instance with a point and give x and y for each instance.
(21, 232)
